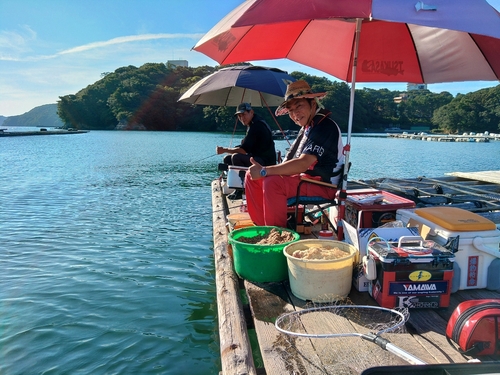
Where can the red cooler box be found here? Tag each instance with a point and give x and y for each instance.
(411, 273)
(373, 209)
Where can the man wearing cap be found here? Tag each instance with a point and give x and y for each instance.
(258, 142)
(317, 152)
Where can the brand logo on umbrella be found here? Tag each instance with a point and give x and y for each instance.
(390, 68)
(224, 40)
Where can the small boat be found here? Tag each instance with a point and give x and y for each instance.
(394, 129)
(285, 134)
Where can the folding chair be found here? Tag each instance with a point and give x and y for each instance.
(320, 204)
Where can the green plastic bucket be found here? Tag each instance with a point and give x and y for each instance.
(260, 263)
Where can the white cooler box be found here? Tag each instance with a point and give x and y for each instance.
(477, 260)
(236, 176)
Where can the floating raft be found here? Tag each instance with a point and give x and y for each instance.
(478, 192)
(447, 138)
(41, 132)
(248, 310)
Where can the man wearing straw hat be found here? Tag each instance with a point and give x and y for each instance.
(317, 152)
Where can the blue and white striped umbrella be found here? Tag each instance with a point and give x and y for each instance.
(259, 86)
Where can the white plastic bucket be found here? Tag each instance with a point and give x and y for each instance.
(320, 280)
(233, 176)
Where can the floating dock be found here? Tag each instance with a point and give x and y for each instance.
(446, 138)
(250, 343)
(40, 132)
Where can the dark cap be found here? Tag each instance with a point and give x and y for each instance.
(243, 107)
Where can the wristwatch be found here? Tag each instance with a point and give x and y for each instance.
(263, 172)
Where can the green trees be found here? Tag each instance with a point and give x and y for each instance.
(44, 115)
(478, 111)
(419, 106)
(146, 97)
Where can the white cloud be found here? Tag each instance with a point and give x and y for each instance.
(15, 43)
(27, 81)
(13, 46)
(129, 39)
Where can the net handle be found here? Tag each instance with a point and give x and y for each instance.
(390, 347)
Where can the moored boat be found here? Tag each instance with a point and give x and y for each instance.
(42, 131)
(285, 134)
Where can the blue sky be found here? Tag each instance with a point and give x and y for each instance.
(51, 48)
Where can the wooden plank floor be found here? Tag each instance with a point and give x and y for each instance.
(486, 176)
(423, 336)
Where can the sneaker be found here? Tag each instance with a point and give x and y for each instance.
(237, 194)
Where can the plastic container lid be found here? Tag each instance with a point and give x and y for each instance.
(234, 218)
(456, 219)
(325, 235)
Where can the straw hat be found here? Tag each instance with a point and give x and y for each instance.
(296, 90)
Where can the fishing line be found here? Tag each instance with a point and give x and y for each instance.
(214, 211)
(274, 118)
(198, 160)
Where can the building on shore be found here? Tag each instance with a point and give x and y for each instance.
(176, 63)
(416, 86)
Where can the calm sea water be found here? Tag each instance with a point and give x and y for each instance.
(106, 245)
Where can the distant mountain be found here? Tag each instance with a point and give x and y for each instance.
(2, 119)
(42, 116)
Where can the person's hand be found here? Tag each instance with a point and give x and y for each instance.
(219, 150)
(254, 169)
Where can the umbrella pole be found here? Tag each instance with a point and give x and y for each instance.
(347, 147)
(236, 122)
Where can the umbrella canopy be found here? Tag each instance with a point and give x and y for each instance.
(231, 86)
(400, 40)
(365, 41)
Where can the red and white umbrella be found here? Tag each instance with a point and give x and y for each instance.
(411, 41)
(399, 40)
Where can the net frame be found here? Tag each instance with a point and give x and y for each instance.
(292, 324)
(294, 315)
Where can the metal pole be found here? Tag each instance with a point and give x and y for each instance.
(347, 147)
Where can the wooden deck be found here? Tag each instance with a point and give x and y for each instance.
(249, 309)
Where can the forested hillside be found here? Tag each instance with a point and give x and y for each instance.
(42, 116)
(147, 96)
